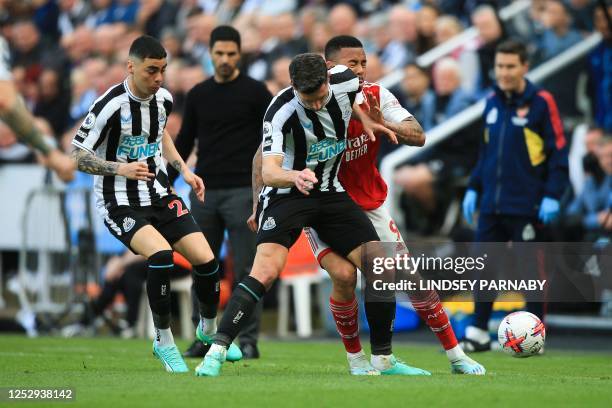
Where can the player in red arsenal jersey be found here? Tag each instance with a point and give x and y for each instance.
(361, 179)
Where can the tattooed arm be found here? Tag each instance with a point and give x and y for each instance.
(89, 163)
(176, 161)
(408, 131)
(14, 113)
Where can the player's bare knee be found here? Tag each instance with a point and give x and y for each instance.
(344, 277)
(265, 274)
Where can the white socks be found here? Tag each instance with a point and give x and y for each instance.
(356, 359)
(209, 326)
(381, 362)
(478, 335)
(455, 353)
(164, 337)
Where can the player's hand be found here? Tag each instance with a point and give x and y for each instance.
(135, 171)
(305, 181)
(62, 164)
(196, 183)
(252, 221)
(371, 128)
(374, 111)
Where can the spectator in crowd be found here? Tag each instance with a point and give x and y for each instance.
(581, 12)
(403, 27)
(600, 72)
(591, 209)
(53, 103)
(491, 33)
(414, 93)
(78, 45)
(426, 28)
(427, 180)
(113, 11)
(172, 42)
(73, 13)
(287, 41)
(376, 70)
(224, 115)
(280, 75)
(557, 37)
(342, 20)
(521, 172)
(124, 274)
(154, 15)
(392, 53)
(199, 27)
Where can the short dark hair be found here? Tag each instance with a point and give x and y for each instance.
(147, 47)
(224, 33)
(307, 72)
(513, 47)
(339, 42)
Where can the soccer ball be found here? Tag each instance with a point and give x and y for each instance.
(521, 334)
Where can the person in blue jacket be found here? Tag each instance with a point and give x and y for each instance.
(522, 169)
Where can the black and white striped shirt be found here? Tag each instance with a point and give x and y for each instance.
(311, 139)
(121, 127)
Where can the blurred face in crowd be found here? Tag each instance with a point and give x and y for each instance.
(342, 20)
(446, 28)
(225, 57)
(592, 138)
(280, 72)
(510, 72)
(147, 75)
(25, 36)
(353, 58)
(600, 22)
(487, 25)
(415, 82)
(426, 21)
(605, 156)
(402, 24)
(555, 15)
(447, 78)
(376, 70)
(48, 84)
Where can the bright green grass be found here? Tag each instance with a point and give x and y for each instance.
(118, 373)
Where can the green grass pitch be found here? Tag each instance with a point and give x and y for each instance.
(123, 373)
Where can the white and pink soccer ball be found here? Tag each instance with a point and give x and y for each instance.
(521, 334)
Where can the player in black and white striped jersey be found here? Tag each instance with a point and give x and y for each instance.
(122, 141)
(304, 138)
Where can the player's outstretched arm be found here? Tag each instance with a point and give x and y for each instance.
(14, 113)
(274, 175)
(176, 161)
(89, 163)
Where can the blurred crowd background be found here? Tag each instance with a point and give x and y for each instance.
(66, 53)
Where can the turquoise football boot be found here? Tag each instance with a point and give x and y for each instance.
(171, 358)
(213, 360)
(465, 365)
(233, 352)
